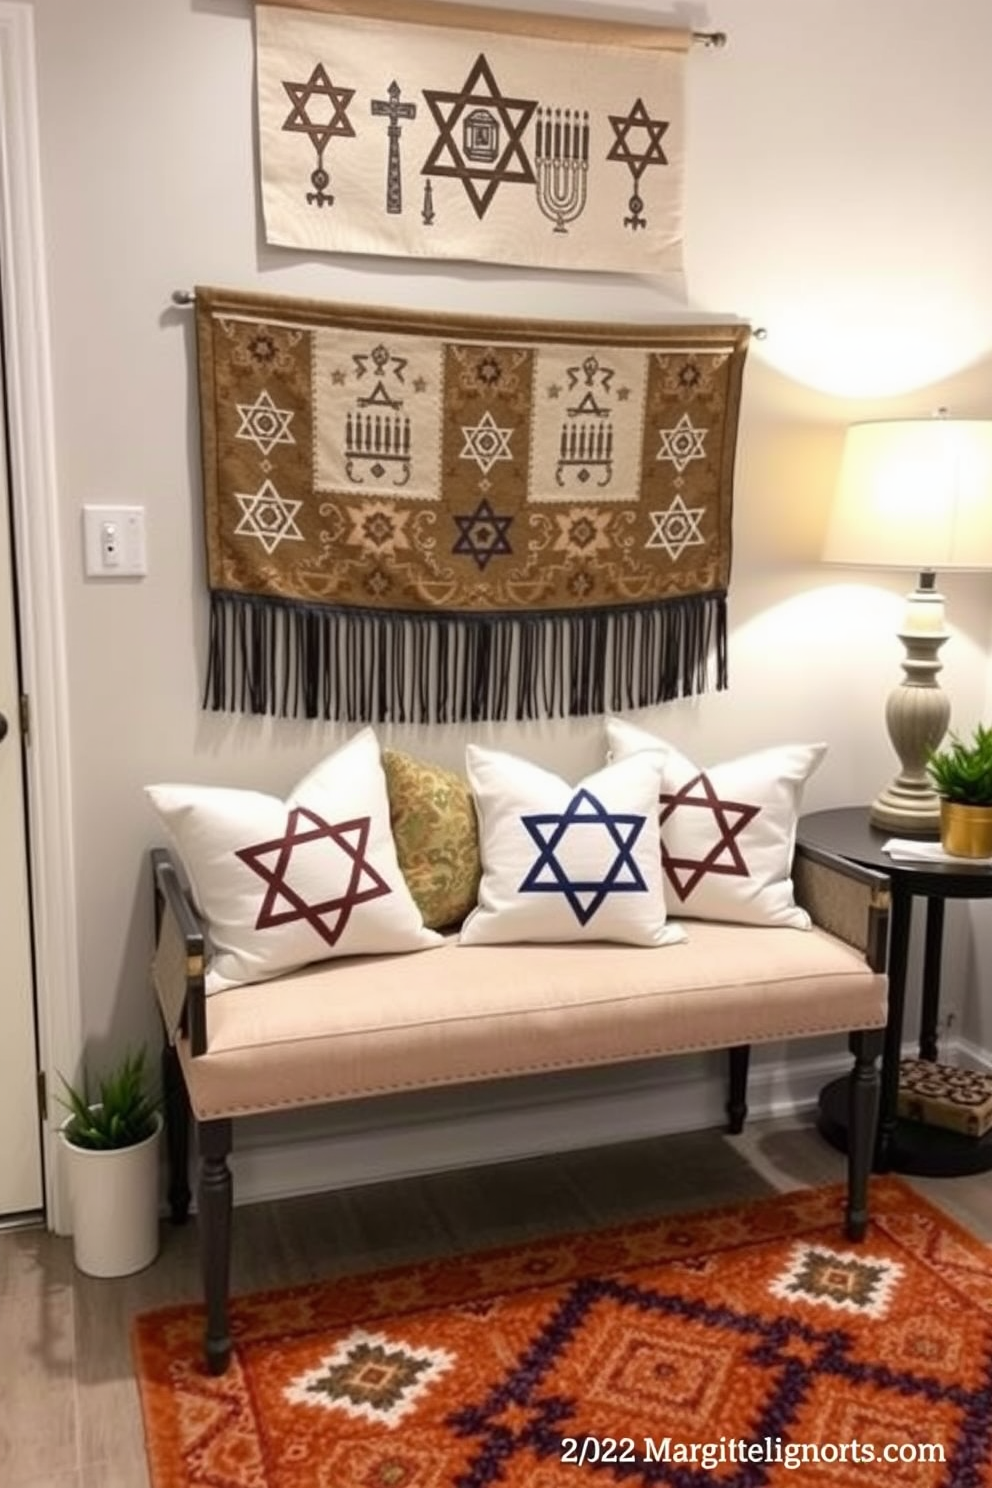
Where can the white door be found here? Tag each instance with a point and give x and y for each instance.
(20, 1147)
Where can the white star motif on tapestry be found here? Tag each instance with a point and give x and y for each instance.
(683, 444)
(609, 846)
(724, 855)
(486, 443)
(269, 517)
(676, 529)
(264, 424)
(343, 844)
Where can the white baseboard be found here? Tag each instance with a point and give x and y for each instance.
(489, 1124)
(964, 1052)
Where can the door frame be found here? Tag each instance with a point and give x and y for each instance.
(38, 563)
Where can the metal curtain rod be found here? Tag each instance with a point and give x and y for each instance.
(187, 297)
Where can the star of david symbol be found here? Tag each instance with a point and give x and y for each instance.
(264, 424)
(585, 894)
(269, 517)
(483, 535)
(682, 444)
(637, 120)
(676, 529)
(486, 443)
(729, 820)
(283, 904)
(484, 170)
(328, 119)
(318, 90)
(640, 121)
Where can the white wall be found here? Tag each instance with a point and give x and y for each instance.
(836, 173)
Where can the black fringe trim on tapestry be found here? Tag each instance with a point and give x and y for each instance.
(269, 656)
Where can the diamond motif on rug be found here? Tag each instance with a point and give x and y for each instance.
(839, 1279)
(666, 1372)
(371, 1376)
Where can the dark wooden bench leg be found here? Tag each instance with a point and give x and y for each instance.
(864, 1090)
(214, 1196)
(740, 1058)
(177, 1116)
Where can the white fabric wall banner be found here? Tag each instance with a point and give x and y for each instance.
(445, 131)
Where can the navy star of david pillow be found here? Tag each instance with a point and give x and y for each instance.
(281, 884)
(565, 862)
(728, 832)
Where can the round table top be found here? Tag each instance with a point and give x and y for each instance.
(846, 830)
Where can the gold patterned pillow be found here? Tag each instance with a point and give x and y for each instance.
(436, 835)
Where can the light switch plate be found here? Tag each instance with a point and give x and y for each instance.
(114, 542)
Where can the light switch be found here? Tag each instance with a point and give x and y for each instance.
(114, 542)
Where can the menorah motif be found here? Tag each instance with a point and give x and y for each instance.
(377, 443)
(586, 446)
(562, 156)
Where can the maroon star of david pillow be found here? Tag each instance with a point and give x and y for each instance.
(728, 831)
(285, 883)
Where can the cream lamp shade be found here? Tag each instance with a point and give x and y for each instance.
(915, 493)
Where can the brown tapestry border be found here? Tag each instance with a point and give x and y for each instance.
(428, 517)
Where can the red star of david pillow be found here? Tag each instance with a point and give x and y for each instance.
(564, 862)
(284, 883)
(728, 832)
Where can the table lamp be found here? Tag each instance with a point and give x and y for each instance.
(915, 493)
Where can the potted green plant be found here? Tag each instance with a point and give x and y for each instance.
(110, 1152)
(961, 773)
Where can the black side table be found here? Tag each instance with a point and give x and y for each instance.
(903, 1146)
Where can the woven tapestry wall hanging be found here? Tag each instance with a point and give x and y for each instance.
(427, 517)
(447, 131)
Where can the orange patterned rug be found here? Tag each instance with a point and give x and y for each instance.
(741, 1348)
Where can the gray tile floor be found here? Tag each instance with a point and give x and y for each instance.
(69, 1414)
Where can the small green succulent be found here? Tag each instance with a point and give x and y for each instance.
(122, 1115)
(962, 771)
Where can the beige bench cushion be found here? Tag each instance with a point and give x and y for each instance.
(371, 1025)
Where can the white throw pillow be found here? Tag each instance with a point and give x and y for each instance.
(284, 883)
(728, 832)
(567, 862)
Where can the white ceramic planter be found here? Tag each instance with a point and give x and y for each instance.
(113, 1201)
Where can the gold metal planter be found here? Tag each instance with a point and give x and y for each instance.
(966, 831)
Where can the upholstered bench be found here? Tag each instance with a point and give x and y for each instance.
(369, 1025)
